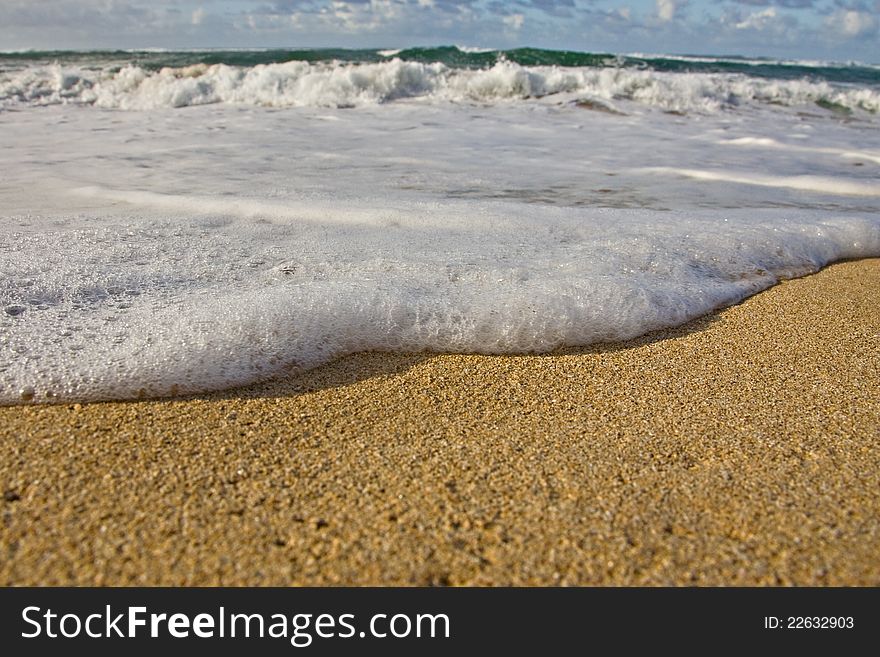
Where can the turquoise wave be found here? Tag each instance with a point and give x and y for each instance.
(454, 57)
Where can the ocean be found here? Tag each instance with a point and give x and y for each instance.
(175, 223)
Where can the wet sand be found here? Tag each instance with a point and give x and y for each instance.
(743, 448)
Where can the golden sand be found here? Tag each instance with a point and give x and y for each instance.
(743, 448)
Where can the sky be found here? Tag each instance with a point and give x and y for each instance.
(840, 30)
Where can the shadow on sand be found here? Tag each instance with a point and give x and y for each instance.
(354, 368)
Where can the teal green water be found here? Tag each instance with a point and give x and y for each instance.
(847, 73)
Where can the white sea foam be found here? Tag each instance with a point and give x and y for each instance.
(332, 84)
(760, 61)
(147, 253)
(815, 184)
(473, 49)
(322, 213)
(166, 307)
(768, 142)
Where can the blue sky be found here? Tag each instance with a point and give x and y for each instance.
(806, 29)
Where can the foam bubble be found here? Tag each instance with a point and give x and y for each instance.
(171, 307)
(334, 84)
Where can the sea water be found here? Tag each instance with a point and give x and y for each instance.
(180, 222)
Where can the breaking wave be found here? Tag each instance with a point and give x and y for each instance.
(351, 84)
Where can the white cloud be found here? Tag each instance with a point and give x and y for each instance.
(666, 10)
(759, 20)
(514, 21)
(852, 23)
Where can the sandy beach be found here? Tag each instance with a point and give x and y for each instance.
(740, 449)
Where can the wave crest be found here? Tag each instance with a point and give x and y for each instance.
(335, 84)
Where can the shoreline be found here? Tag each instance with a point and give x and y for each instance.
(738, 449)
